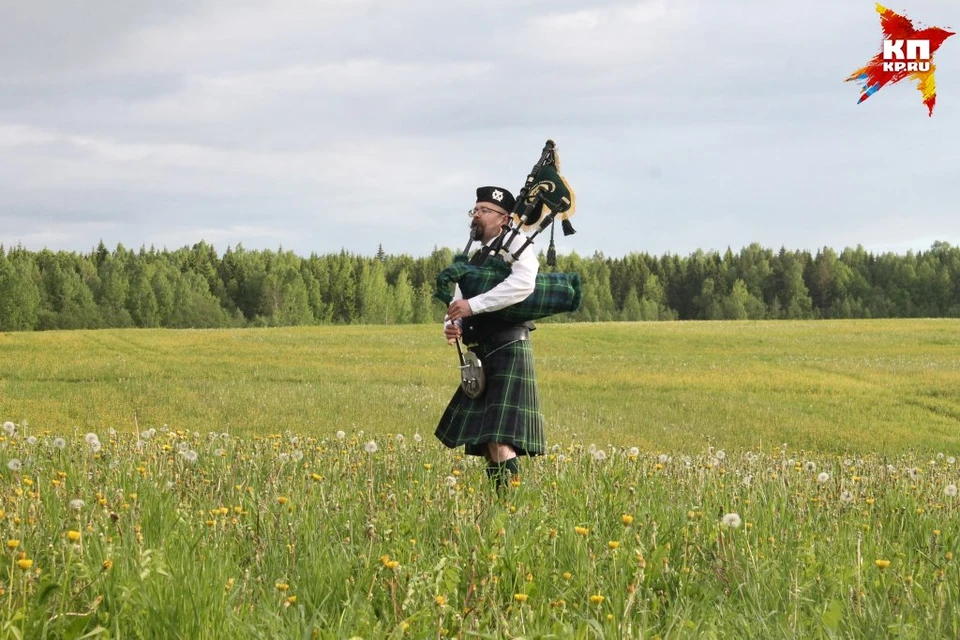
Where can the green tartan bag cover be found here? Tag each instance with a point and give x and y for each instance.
(554, 292)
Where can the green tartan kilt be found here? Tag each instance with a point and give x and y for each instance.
(507, 412)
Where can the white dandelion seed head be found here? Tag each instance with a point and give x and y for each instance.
(633, 451)
(747, 480)
(663, 458)
(294, 440)
(791, 462)
(32, 440)
(721, 454)
(810, 466)
(599, 454)
(846, 496)
(224, 436)
(95, 447)
(220, 452)
(112, 432)
(940, 456)
(9, 428)
(140, 444)
(90, 438)
(297, 455)
(399, 438)
(951, 460)
(341, 435)
(561, 458)
(823, 477)
(283, 457)
(450, 481)
(714, 461)
(731, 520)
(59, 443)
(146, 435)
(848, 462)
(14, 464)
(951, 490)
(592, 449)
(913, 472)
(190, 455)
(76, 504)
(891, 468)
(417, 437)
(169, 485)
(370, 447)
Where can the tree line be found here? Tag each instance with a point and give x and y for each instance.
(194, 287)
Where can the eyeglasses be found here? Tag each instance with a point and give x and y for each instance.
(481, 210)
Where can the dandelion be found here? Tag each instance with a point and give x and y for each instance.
(913, 472)
(370, 447)
(520, 597)
(613, 544)
(882, 564)
(59, 443)
(721, 454)
(600, 454)
(190, 455)
(90, 438)
(951, 460)
(597, 599)
(823, 477)
(32, 440)
(77, 504)
(440, 600)
(399, 438)
(848, 462)
(13, 544)
(14, 464)
(846, 496)
(747, 480)
(24, 563)
(663, 458)
(73, 536)
(297, 455)
(95, 447)
(626, 519)
(341, 435)
(581, 530)
(9, 428)
(417, 437)
(450, 481)
(810, 466)
(731, 520)
(951, 490)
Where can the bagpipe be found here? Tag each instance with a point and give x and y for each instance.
(544, 197)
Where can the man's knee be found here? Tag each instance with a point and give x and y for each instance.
(500, 452)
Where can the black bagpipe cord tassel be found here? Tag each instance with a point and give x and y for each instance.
(568, 229)
(551, 251)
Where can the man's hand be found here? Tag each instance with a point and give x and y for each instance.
(452, 332)
(459, 309)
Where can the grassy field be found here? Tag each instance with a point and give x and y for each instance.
(748, 480)
(846, 386)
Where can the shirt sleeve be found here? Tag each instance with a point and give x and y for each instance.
(456, 296)
(516, 287)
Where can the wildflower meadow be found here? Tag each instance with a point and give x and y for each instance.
(230, 520)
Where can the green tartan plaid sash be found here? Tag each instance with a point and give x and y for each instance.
(554, 292)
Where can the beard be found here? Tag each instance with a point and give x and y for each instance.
(476, 231)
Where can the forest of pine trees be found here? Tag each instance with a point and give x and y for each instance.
(197, 288)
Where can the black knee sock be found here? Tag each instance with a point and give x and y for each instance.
(501, 471)
(513, 466)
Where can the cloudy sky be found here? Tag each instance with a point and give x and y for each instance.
(321, 125)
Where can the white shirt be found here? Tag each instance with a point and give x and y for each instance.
(515, 288)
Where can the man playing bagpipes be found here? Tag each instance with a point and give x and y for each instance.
(499, 291)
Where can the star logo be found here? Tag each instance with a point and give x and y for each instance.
(906, 52)
(498, 195)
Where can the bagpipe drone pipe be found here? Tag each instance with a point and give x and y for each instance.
(545, 196)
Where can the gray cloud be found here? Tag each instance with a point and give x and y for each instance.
(328, 125)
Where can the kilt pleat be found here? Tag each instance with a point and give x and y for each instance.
(508, 411)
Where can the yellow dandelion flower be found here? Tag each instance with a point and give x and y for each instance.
(581, 530)
(428, 466)
(567, 575)
(882, 564)
(440, 600)
(626, 519)
(73, 536)
(392, 564)
(597, 599)
(13, 544)
(949, 556)
(315, 476)
(514, 481)
(107, 564)
(282, 500)
(210, 523)
(613, 544)
(520, 597)
(24, 563)
(282, 586)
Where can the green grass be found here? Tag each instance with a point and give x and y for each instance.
(251, 516)
(840, 386)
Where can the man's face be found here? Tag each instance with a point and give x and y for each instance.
(487, 221)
